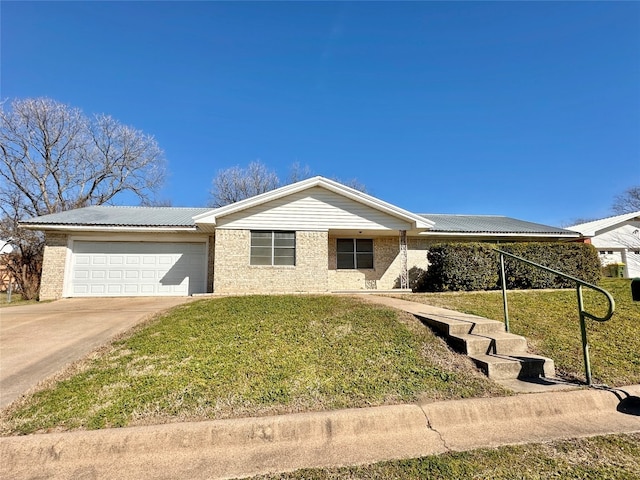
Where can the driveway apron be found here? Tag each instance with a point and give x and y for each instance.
(38, 340)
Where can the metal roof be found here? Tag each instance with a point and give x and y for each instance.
(110, 216)
(172, 217)
(493, 224)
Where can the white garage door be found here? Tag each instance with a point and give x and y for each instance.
(114, 269)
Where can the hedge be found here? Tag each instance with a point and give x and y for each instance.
(475, 266)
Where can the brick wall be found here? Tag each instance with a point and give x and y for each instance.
(233, 274)
(53, 266)
(386, 265)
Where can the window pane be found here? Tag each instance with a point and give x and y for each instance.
(255, 260)
(288, 260)
(345, 245)
(345, 260)
(285, 252)
(364, 245)
(284, 239)
(261, 239)
(365, 260)
(260, 251)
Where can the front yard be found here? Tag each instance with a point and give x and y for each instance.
(262, 355)
(253, 355)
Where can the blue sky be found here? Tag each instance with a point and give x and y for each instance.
(530, 110)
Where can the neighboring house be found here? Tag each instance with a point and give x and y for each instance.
(5, 276)
(617, 240)
(316, 235)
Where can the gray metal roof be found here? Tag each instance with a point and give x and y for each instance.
(109, 216)
(494, 224)
(173, 217)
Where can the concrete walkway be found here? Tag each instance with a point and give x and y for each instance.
(251, 446)
(38, 340)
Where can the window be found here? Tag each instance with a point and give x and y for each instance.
(273, 248)
(354, 253)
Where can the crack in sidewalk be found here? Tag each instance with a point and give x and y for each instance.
(432, 428)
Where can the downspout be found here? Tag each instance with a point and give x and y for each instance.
(404, 273)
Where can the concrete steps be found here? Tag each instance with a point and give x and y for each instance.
(500, 355)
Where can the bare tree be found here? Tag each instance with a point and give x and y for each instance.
(299, 172)
(627, 202)
(353, 183)
(234, 184)
(55, 158)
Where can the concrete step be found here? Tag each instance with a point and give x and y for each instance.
(460, 323)
(526, 365)
(508, 344)
(502, 343)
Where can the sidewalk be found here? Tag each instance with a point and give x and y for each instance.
(251, 446)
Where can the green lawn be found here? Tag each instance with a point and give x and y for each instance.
(549, 321)
(612, 457)
(16, 299)
(253, 355)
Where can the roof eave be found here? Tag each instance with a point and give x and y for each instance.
(500, 234)
(107, 228)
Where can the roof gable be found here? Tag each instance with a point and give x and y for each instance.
(338, 196)
(596, 227)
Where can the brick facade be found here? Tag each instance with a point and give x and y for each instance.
(228, 269)
(386, 265)
(53, 266)
(234, 274)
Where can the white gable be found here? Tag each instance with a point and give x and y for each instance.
(314, 208)
(597, 227)
(622, 236)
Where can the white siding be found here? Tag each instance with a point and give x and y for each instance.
(622, 236)
(313, 209)
(623, 241)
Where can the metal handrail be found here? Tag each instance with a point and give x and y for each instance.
(583, 314)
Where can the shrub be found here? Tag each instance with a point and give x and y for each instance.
(475, 266)
(460, 266)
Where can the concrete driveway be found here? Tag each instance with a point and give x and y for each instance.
(39, 340)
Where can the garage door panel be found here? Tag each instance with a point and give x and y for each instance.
(116, 260)
(81, 275)
(137, 268)
(99, 260)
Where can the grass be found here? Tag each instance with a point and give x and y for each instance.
(253, 355)
(16, 299)
(597, 458)
(549, 321)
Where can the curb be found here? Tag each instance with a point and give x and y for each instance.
(251, 446)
